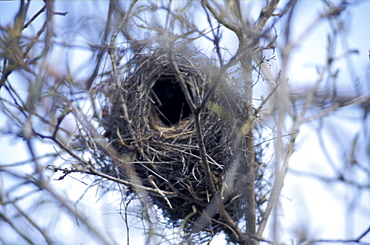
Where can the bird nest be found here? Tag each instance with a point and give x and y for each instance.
(153, 128)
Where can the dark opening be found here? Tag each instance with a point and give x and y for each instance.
(169, 100)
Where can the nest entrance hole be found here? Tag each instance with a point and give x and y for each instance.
(170, 102)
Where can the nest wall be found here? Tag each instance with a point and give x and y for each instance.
(151, 126)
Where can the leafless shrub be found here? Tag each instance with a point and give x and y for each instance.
(168, 124)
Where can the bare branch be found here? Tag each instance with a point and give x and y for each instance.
(357, 240)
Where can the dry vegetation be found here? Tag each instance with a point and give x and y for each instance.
(167, 123)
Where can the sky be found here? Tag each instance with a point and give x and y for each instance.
(319, 204)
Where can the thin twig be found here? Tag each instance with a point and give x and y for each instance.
(198, 126)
